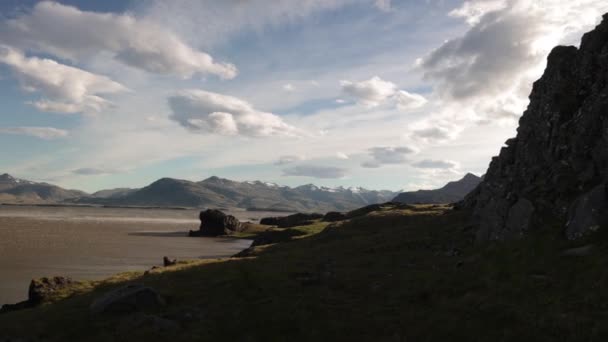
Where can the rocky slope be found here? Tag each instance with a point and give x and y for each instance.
(450, 193)
(557, 166)
(15, 190)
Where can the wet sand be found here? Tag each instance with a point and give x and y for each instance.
(93, 243)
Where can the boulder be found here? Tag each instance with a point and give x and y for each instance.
(169, 262)
(40, 290)
(130, 298)
(216, 223)
(334, 216)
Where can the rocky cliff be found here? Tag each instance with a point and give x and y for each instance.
(556, 168)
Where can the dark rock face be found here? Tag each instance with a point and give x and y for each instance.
(588, 213)
(559, 159)
(130, 298)
(216, 223)
(294, 220)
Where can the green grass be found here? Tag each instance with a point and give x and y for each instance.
(393, 275)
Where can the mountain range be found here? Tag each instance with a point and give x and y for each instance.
(224, 193)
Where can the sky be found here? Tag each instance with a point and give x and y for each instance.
(374, 93)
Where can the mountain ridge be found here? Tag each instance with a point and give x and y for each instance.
(451, 192)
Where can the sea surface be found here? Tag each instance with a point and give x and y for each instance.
(93, 243)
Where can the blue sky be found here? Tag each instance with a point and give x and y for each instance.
(374, 93)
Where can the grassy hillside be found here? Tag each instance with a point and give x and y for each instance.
(393, 275)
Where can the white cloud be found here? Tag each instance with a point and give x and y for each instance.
(315, 171)
(371, 92)
(383, 155)
(341, 155)
(408, 101)
(472, 11)
(67, 89)
(284, 160)
(289, 87)
(376, 91)
(204, 111)
(46, 133)
(435, 164)
(70, 33)
(485, 75)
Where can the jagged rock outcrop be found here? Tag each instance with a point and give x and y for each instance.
(216, 223)
(557, 165)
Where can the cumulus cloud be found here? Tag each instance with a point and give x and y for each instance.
(284, 160)
(46, 133)
(203, 111)
(66, 89)
(70, 33)
(383, 155)
(435, 164)
(486, 75)
(315, 171)
(376, 91)
(371, 92)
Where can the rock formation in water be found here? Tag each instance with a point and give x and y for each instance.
(216, 223)
(556, 168)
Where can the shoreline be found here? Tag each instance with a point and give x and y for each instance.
(102, 278)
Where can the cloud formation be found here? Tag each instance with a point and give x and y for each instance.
(435, 164)
(376, 91)
(207, 112)
(65, 89)
(315, 171)
(46, 133)
(284, 160)
(486, 75)
(69, 33)
(90, 171)
(383, 155)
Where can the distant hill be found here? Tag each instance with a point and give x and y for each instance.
(450, 193)
(256, 195)
(15, 190)
(224, 193)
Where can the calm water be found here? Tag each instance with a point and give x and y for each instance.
(93, 243)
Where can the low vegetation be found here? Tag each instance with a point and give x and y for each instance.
(397, 274)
